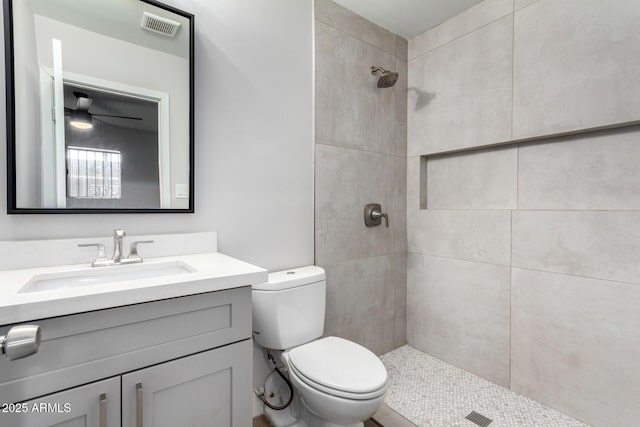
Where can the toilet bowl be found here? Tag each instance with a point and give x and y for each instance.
(338, 382)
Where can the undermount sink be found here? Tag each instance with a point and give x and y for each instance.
(102, 275)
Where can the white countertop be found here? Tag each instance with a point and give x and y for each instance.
(214, 272)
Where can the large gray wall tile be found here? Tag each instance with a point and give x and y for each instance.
(594, 172)
(415, 268)
(459, 312)
(415, 295)
(401, 108)
(484, 179)
(360, 159)
(460, 94)
(575, 66)
(346, 180)
(355, 25)
(519, 4)
(470, 235)
(576, 347)
(400, 310)
(574, 340)
(351, 111)
(603, 245)
(399, 205)
(413, 184)
(402, 48)
(361, 301)
(478, 16)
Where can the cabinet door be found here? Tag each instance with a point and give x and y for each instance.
(209, 389)
(92, 405)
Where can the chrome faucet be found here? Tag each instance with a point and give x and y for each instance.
(118, 235)
(118, 256)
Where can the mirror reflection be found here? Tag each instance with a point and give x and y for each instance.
(102, 103)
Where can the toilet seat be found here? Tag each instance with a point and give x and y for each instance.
(335, 392)
(340, 368)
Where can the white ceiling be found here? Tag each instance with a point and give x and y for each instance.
(408, 18)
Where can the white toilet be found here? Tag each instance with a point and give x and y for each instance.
(339, 382)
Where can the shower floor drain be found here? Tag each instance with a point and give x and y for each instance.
(479, 419)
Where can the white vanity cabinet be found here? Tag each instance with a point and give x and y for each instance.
(183, 361)
(192, 391)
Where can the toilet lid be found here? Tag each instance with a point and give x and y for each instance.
(339, 364)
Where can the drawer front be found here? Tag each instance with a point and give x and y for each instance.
(86, 347)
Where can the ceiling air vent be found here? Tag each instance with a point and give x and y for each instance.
(158, 24)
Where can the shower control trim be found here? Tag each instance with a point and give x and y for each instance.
(373, 215)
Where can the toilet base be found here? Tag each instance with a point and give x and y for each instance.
(297, 415)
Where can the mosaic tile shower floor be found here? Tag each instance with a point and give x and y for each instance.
(432, 393)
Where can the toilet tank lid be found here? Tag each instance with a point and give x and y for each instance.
(292, 278)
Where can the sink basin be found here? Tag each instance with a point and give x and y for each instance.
(102, 275)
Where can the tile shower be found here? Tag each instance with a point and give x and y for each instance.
(432, 393)
(360, 158)
(522, 196)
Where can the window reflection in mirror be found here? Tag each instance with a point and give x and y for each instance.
(102, 103)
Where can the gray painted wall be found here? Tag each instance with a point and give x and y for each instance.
(254, 139)
(523, 268)
(360, 159)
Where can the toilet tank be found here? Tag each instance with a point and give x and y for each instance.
(288, 310)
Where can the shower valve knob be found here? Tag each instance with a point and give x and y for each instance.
(20, 341)
(373, 215)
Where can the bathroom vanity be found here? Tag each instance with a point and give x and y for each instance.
(163, 351)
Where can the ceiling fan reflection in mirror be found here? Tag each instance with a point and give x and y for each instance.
(81, 118)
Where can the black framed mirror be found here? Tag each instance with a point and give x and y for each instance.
(99, 106)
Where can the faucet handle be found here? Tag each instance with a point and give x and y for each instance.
(379, 215)
(373, 215)
(133, 252)
(102, 254)
(119, 232)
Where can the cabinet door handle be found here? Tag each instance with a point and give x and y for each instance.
(139, 405)
(103, 410)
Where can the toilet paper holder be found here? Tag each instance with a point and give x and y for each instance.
(373, 215)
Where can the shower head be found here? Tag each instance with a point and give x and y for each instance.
(387, 78)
